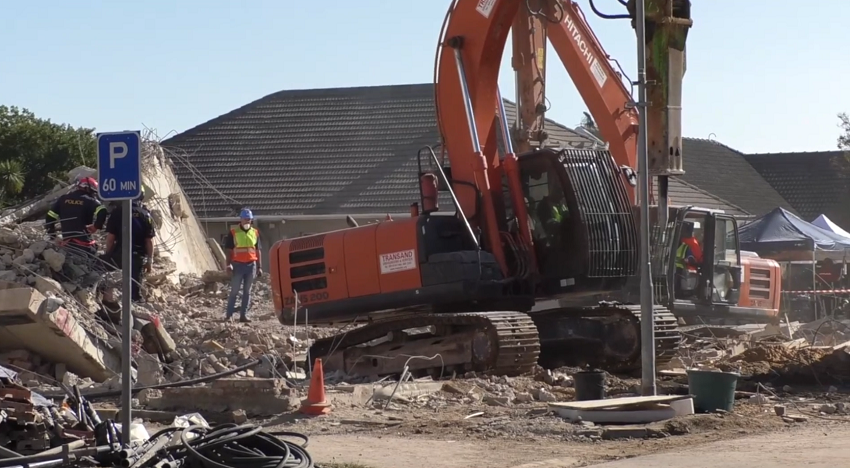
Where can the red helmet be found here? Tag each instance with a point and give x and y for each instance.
(87, 183)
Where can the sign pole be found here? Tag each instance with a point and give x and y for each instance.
(119, 174)
(647, 319)
(126, 320)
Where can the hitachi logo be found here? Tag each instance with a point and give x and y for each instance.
(579, 40)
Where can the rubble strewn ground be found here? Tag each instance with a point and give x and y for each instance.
(791, 375)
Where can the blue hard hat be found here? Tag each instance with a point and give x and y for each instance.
(246, 214)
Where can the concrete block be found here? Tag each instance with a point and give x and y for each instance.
(254, 402)
(251, 384)
(56, 335)
(625, 432)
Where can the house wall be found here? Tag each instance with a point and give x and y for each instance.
(273, 231)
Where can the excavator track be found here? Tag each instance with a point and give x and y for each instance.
(501, 343)
(605, 336)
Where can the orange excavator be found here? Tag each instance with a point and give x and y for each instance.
(453, 291)
(713, 292)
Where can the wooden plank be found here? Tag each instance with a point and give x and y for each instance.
(617, 402)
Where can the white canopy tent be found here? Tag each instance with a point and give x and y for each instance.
(825, 223)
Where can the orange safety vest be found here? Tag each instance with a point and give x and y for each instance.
(244, 245)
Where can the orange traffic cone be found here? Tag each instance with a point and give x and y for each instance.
(315, 404)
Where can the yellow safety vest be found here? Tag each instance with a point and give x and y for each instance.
(245, 245)
(558, 211)
(680, 257)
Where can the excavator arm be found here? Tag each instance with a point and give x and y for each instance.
(529, 37)
(599, 83)
(667, 24)
(468, 102)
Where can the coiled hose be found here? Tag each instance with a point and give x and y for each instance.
(234, 446)
(223, 446)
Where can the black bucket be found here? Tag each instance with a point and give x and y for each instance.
(590, 385)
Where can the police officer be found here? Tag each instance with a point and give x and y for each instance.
(80, 214)
(141, 241)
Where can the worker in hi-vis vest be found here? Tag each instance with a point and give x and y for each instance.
(688, 259)
(243, 243)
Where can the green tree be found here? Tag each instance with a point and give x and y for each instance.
(35, 153)
(844, 138)
(11, 178)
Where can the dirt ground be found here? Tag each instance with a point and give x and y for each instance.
(768, 444)
(437, 431)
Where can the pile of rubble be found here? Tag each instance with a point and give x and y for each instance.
(178, 335)
(812, 353)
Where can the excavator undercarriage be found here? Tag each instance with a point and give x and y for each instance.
(498, 342)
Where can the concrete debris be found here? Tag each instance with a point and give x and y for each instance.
(802, 353)
(47, 292)
(253, 396)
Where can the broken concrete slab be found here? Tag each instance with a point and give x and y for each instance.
(256, 397)
(27, 323)
(408, 390)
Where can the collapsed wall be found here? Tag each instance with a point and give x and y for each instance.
(81, 339)
(180, 237)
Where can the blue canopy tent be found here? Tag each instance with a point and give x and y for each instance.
(781, 230)
(783, 233)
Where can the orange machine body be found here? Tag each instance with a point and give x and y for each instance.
(369, 260)
(762, 284)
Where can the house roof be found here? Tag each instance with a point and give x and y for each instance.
(344, 151)
(812, 182)
(682, 193)
(725, 173)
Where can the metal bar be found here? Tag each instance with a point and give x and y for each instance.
(647, 320)
(126, 322)
(454, 198)
(467, 101)
(506, 130)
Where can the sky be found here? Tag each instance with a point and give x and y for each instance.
(763, 75)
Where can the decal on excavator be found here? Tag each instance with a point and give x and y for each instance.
(398, 261)
(485, 7)
(595, 68)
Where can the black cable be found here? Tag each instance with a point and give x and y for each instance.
(232, 446)
(603, 15)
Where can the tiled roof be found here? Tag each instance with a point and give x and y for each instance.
(725, 173)
(682, 193)
(814, 183)
(353, 151)
(317, 151)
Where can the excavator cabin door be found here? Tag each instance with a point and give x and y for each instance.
(705, 258)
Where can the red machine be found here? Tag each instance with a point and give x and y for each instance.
(460, 287)
(610, 104)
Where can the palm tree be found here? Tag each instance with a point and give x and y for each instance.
(11, 179)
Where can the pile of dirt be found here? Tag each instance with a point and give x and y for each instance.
(780, 364)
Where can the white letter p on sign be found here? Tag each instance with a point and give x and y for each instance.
(117, 150)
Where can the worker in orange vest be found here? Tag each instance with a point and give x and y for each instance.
(688, 259)
(243, 243)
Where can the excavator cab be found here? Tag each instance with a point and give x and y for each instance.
(703, 260)
(584, 236)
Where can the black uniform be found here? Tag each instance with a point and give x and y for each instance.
(74, 212)
(142, 229)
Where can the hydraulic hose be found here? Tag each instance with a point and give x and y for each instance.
(246, 446)
(223, 446)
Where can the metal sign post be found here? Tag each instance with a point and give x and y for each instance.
(647, 319)
(119, 174)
